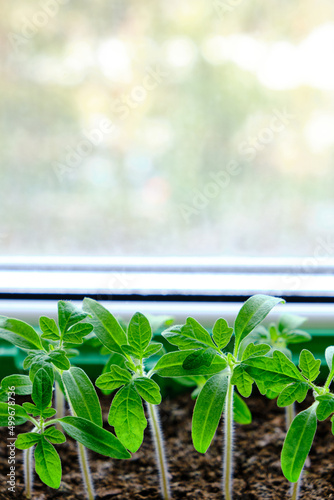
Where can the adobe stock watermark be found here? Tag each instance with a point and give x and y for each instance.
(123, 108)
(11, 481)
(250, 148)
(75, 155)
(119, 281)
(31, 26)
(247, 151)
(223, 7)
(211, 190)
(153, 78)
(323, 253)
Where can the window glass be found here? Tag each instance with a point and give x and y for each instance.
(166, 127)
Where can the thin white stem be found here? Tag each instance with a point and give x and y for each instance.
(59, 404)
(295, 488)
(159, 450)
(83, 458)
(228, 443)
(290, 414)
(27, 467)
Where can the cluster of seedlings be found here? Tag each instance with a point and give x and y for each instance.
(224, 365)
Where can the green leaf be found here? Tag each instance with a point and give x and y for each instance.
(271, 394)
(192, 335)
(131, 351)
(42, 389)
(198, 358)
(298, 443)
(47, 463)
(27, 440)
(48, 412)
(289, 322)
(106, 327)
(332, 420)
(329, 353)
(207, 412)
(254, 310)
(94, 437)
(294, 392)
(31, 409)
(139, 333)
(273, 373)
(241, 412)
(54, 435)
(273, 332)
(69, 315)
(242, 380)
(148, 390)
(171, 365)
(253, 350)
(82, 395)
(309, 366)
(42, 362)
(71, 353)
(127, 417)
(325, 407)
(296, 337)
(114, 379)
(49, 328)
(76, 334)
(22, 384)
(31, 357)
(19, 333)
(222, 333)
(6, 410)
(153, 348)
(59, 359)
(114, 359)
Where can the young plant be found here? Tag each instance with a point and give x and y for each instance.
(279, 336)
(131, 380)
(292, 384)
(200, 354)
(52, 350)
(44, 434)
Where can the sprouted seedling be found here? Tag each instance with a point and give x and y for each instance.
(44, 434)
(52, 350)
(132, 381)
(282, 376)
(279, 336)
(201, 354)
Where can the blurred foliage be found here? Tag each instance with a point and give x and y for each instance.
(69, 65)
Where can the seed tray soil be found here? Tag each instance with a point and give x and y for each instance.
(193, 476)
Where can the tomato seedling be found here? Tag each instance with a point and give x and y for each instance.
(292, 384)
(52, 350)
(201, 354)
(131, 380)
(279, 336)
(44, 434)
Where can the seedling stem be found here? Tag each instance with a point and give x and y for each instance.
(86, 472)
(159, 448)
(60, 403)
(83, 459)
(228, 438)
(27, 463)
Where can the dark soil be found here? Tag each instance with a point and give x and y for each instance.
(194, 476)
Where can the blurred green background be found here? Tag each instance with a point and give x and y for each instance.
(170, 93)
